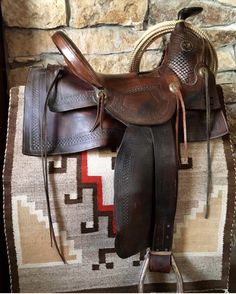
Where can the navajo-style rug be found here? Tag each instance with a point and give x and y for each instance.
(81, 189)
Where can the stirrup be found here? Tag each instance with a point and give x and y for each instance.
(144, 270)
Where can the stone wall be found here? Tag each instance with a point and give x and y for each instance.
(106, 30)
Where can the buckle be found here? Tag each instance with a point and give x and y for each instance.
(145, 267)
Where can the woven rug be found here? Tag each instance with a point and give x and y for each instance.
(81, 189)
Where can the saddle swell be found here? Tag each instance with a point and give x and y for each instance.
(189, 57)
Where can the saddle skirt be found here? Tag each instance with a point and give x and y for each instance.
(67, 131)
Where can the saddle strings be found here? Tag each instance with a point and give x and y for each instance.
(100, 110)
(44, 154)
(208, 131)
(180, 101)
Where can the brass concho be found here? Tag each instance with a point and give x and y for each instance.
(174, 87)
(101, 94)
(186, 45)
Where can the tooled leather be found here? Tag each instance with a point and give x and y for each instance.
(186, 64)
(196, 130)
(194, 88)
(68, 132)
(185, 50)
(141, 148)
(152, 110)
(75, 59)
(133, 203)
(154, 106)
(147, 101)
(69, 93)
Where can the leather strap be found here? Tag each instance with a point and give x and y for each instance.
(166, 187)
(75, 60)
(133, 192)
(44, 158)
(147, 165)
(160, 261)
(208, 132)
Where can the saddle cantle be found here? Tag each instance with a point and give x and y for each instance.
(146, 114)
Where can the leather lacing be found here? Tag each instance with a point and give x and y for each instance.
(100, 110)
(44, 157)
(208, 133)
(180, 101)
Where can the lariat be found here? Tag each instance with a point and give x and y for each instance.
(181, 102)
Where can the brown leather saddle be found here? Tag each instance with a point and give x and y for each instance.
(146, 114)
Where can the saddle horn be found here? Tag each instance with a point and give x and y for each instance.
(186, 12)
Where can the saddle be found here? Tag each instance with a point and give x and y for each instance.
(146, 115)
